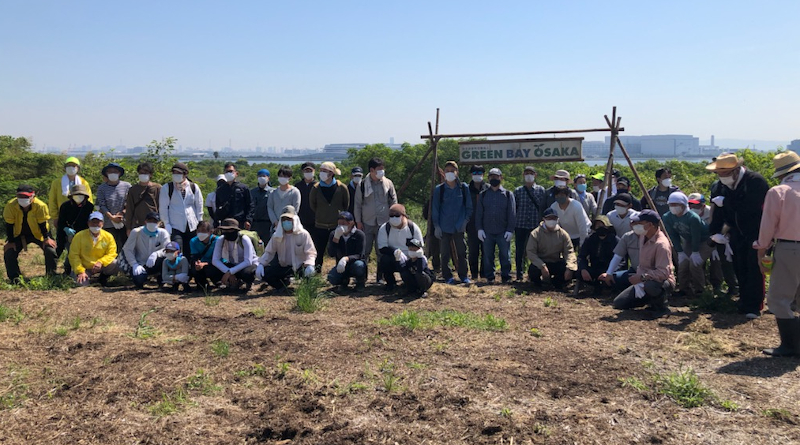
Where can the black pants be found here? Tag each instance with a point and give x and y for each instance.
(475, 253)
(748, 273)
(557, 270)
(320, 238)
(263, 229)
(594, 272)
(206, 274)
(120, 236)
(182, 238)
(277, 276)
(11, 257)
(654, 296)
(521, 241)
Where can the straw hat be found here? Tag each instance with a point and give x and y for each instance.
(785, 163)
(725, 161)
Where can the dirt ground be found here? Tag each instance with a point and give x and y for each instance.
(84, 366)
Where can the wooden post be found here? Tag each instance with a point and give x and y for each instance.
(605, 193)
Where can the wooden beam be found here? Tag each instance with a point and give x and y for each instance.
(518, 133)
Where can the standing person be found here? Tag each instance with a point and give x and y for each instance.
(661, 192)
(142, 198)
(202, 255)
(451, 209)
(73, 216)
(289, 252)
(571, 216)
(551, 253)
(59, 189)
(597, 252)
(495, 220)
(144, 251)
(356, 176)
(233, 198)
(327, 199)
(623, 187)
(654, 279)
(529, 199)
(725, 268)
(393, 239)
(346, 245)
(111, 197)
(181, 204)
(305, 185)
(376, 194)
(285, 195)
(690, 239)
(26, 218)
(259, 209)
(621, 216)
(585, 198)
(778, 228)
(598, 181)
(475, 244)
(235, 256)
(211, 200)
(93, 252)
(740, 207)
(561, 178)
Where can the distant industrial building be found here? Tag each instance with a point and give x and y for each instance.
(794, 146)
(341, 149)
(660, 145)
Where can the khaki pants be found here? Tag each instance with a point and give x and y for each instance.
(784, 281)
(692, 279)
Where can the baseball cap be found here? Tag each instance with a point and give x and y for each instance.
(646, 215)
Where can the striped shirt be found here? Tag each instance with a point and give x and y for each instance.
(111, 198)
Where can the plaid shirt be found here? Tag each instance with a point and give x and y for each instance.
(529, 214)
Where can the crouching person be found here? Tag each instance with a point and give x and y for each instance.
(414, 269)
(202, 254)
(235, 256)
(93, 253)
(346, 244)
(26, 222)
(549, 249)
(175, 268)
(597, 251)
(143, 252)
(654, 279)
(290, 251)
(392, 238)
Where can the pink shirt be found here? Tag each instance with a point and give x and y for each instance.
(781, 214)
(655, 258)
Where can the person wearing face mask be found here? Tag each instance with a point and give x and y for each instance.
(415, 272)
(59, 189)
(626, 253)
(142, 198)
(623, 186)
(143, 252)
(346, 245)
(584, 197)
(550, 251)
(305, 185)
(392, 242)
(689, 239)
(375, 195)
(27, 222)
(175, 268)
(73, 216)
(561, 178)
(285, 195)
(571, 216)
(235, 256)
(233, 198)
(529, 199)
(597, 252)
(621, 216)
(740, 206)
(93, 253)
(356, 176)
(720, 267)
(475, 244)
(661, 192)
(653, 280)
(450, 214)
(495, 220)
(259, 210)
(598, 181)
(289, 252)
(202, 254)
(327, 199)
(111, 197)
(211, 200)
(181, 206)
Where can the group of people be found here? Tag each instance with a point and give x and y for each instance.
(565, 232)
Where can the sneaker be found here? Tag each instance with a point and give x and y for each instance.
(752, 316)
(451, 281)
(466, 281)
(380, 282)
(423, 295)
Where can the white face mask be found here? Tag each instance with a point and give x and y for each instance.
(560, 183)
(450, 176)
(357, 180)
(78, 198)
(530, 179)
(144, 178)
(308, 175)
(666, 182)
(172, 255)
(727, 180)
(477, 178)
(639, 229)
(202, 236)
(675, 210)
(151, 227)
(230, 176)
(396, 221)
(415, 254)
(95, 229)
(24, 202)
(595, 188)
(551, 223)
(696, 211)
(282, 180)
(71, 171)
(324, 176)
(263, 180)
(345, 229)
(176, 178)
(379, 173)
(113, 177)
(621, 211)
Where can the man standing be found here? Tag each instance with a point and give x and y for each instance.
(551, 253)
(689, 238)
(373, 198)
(327, 200)
(259, 211)
(181, 204)
(305, 185)
(356, 176)
(720, 267)
(661, 192)
(740, 207)
(451, 211)
(781, 214)
(111, 198)
(529, 199)
(495, 220)
(584, 197)
(285, 195)
(233, 199)
(26, 222)
(59, 189)
(623, 186)
(474, 244)
(561, 178)
(142, 198)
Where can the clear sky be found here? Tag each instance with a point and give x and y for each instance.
(307, 73)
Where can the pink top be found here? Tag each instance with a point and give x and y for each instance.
(655, 258)
(781, 213)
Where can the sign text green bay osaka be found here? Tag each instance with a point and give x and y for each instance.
(521, 150)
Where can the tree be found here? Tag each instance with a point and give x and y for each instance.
(216, 155)
(159, 153)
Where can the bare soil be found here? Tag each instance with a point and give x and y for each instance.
(73, 371)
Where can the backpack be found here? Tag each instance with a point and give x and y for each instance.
(464, 194)
(411, 226)
(172, 188)
(259, 248)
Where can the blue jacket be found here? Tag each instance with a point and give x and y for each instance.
(497, 211)
(452, 207)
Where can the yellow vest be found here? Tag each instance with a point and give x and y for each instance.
(84, 252)
(38, 214)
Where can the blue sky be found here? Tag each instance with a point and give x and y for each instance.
(308, 73)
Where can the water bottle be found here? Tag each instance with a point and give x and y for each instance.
(768, 261)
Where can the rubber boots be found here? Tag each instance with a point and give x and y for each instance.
(789, 331)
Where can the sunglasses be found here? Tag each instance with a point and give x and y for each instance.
(394, 215)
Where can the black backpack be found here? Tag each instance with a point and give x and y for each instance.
(464, 193)
(172, 188)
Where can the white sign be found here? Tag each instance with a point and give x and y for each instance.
(521, 150)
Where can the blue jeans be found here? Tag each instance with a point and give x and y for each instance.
(504, 247)
(354, 269)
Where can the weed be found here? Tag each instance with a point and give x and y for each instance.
(308, 296)
(259, 312)
(536, 332)
(428, 319)
(416, 366)
(550, 302)
(505, 412)
(497, 297)
(257, 369)
(283, 369)
(308, 376)
(8, 313)
(47, 282)
(391, 382)
(61, 331)
(778, 414)
(16, 391)
(356, 386)
(210, 300)
(708, 302)
(220, 348)
(170, 403)
(75, 324)
(684, 387)
(202, 382)
(729, 405)
(635, 383)
(144, 329)
(705, 344)
(541, 430)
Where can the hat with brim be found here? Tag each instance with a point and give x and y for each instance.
(646, 215)
(725, 161)
(113, 165)
(549, 212)
(561, 174)
(697, 198)
(623, 198)
(73, 160)
(785, 163)
(603, 219)
(288, 212)
(172, 246)
(495, 171)
(599, 176)
(332, 167)
(229, 224)
(78, 189)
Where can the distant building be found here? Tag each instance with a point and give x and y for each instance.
(661, 145)
(794, 146)
(593, 149)
(341, 149)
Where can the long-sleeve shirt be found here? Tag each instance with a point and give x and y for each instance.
(589, 204)
(351, 246)
(326, 209)
(549, 246)
(596, 253)
(259, 200)
(742, 207)
(396, 238)
(141, 200)
(530, 206)
(781, 213)
(688, 227)
(74, 216)
(497, 211)
(573, 219)
(86, 250)
(474, 191)
(59, 193)
(279, 199)
(169, 269)
(660, 198)
(294, 249)
(550, 196)
(33, 221)
(233, 201)
(241, 254)
(372, 201)
(628, 246)
(608, 205)
(181, 212)
(140, 245)
(111, 199)
(305, 212)
(655, 258)
(452, 207)
(198, 247)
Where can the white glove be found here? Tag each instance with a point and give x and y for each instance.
(259, 271)
(168, 228)
(719, 238)
(481, 235)
(139, 270)
(309, 271)
(508, 236)
(715, 255)
(118, 225)
(728, 253)
(696, 258)
(638, 290)
(341, 265)
(682, 257)
(182, 277)
(151, 260)
(338, 233)
(437, 232)
(400, 256)
(718, 200)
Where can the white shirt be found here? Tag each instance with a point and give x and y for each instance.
(181, 211)
(621, 225)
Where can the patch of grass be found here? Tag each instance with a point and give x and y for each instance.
(412, 319)
(505, 412)
(536, 332)
(779, 414)
(211, 300)
(259, 312)
(308, 376)
(202, 382)
(13, 315)
(708, 302)
(705, 344)
(220, 348)
(15, 392)
(308, 294)
(282, 369)
(684, 387)
(416, 366)
(47, 282)
(144, 329)
(257, 369)
(170, 403)
(729, 405)
(550, 302)
(635, 383)
(541, 430)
